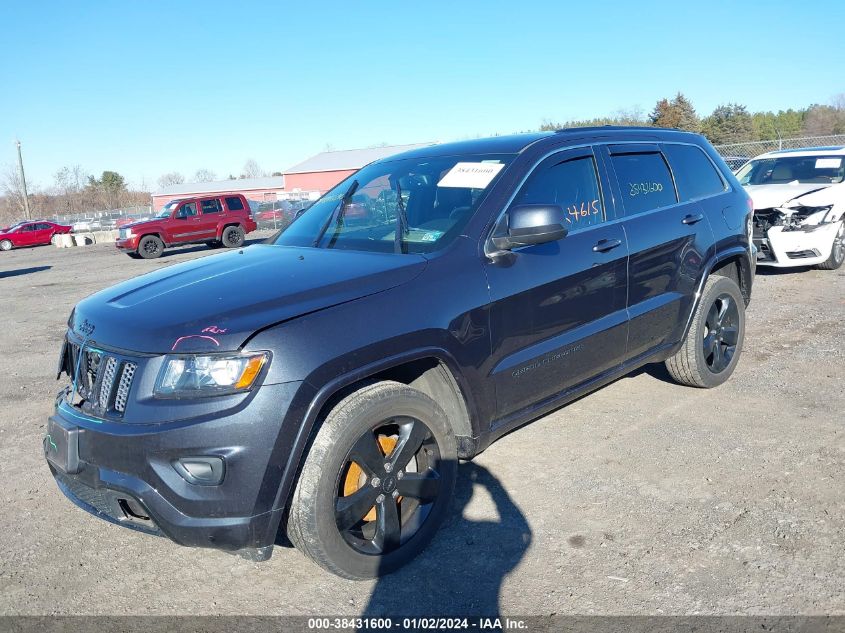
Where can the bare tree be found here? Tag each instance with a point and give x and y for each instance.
(204, 175)
(170, 178)
(12, 187)
(252, 169)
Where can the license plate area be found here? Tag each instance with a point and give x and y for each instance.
(61, 445)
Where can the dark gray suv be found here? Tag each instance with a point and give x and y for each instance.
(325, 383)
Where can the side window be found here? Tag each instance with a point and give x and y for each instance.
(695, 175)
(28, 227)
(188, 210)
(234, 204)
(573, 185)
(645, 181)
(210, 206)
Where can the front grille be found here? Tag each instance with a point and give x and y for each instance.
(102, 380)
(123, 386)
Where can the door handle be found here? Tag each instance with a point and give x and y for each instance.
(692, 218)
(602, 246)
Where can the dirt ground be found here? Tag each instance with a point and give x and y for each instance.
(642, 498)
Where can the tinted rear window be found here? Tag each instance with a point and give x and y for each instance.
(210, 206)
(695, 175)
(645, 181)
(234, 204)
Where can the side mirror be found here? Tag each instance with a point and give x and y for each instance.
(532, 224)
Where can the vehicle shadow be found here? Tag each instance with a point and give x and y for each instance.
(772, 271)
(23, 271)
(462, 570)
(196, 248)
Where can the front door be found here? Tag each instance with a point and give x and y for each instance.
(186, 227)
(558, 309)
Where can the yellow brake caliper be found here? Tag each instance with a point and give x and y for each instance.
(355, 477)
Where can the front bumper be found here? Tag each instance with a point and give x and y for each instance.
(784, 249)
(124, 473)
(127, 244)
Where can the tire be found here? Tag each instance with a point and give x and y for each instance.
(150, 247)
(134, 255)
(233, 237)
(837, 252)
(318, 516)
(5, 245)
(717, 325)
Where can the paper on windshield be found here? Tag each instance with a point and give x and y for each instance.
(470, 175)
(828, 163)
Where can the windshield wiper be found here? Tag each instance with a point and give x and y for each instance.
(337, 213)
(401, 220)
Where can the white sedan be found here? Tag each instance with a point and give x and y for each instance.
(799, 206)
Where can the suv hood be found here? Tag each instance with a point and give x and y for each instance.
(216, 303)
(772, 196)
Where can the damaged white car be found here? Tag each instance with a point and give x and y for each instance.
(799, 206)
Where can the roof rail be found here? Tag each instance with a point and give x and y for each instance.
(603, 128)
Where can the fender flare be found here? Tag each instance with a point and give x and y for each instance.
(325, 393)
(717, 258)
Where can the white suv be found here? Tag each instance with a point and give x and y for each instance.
(799, 204)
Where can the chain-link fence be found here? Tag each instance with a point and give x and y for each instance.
(737, 154)
(104, 220)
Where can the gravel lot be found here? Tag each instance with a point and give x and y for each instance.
(642, 498)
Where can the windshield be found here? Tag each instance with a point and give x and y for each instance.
(415, 205)
(167, 210)
(786, 169)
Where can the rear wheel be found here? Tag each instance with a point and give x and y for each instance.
(150, 247)
(376, 484)
(5, 245)
(233, 237)
(837, 253)
(713, 344)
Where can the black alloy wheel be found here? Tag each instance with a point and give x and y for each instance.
(721, 333)
(387, 486)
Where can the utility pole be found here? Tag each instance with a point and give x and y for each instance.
(23, 182)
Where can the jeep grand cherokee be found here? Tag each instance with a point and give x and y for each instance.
(324, 384)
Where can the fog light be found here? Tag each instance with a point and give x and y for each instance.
(201, 471)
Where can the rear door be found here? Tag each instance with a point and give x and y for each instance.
(210, 212)
(43, 233)
(668, 242)
(558, 309)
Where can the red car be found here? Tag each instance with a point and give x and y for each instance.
(35, 233)
(216, 220)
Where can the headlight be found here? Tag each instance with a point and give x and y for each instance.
(211, 375)
(126, 233)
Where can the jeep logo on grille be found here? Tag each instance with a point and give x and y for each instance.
(86, 327)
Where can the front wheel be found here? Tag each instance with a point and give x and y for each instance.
(5, 245)
(713, 344)
(233, 237)
(377, 482)
(837, 252)
(150, 247)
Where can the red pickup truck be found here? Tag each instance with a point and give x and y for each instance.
(216, 220)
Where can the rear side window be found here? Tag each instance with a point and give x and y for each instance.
(571, 184)
(210, 206)
(695, 175)
(234, 204)
(645, 181)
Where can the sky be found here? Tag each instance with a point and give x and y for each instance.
(146, 88)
